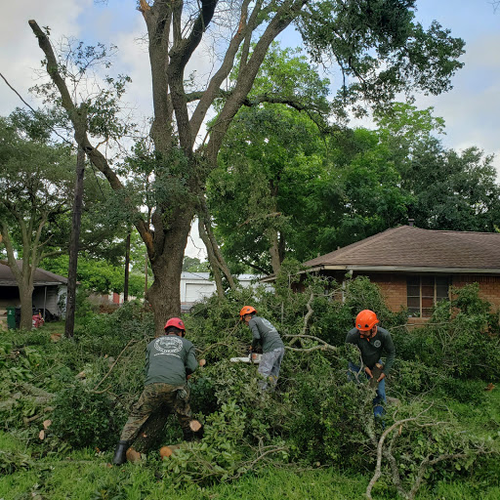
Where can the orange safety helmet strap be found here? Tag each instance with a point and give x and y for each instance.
(366, 320)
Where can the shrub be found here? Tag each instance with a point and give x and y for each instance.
(84, 418)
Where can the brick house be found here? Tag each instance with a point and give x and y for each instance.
(415, 267)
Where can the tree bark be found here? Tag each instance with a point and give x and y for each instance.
(127, 268)
(74, 240)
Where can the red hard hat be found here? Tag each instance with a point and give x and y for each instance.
(247, 310)
(366, 320)
(177, 322)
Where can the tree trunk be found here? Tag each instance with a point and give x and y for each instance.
(73, 245)
(26, 297)
(127, 266)
(170, 240)
(274, 250)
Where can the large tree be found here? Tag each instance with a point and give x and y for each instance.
(380, 50)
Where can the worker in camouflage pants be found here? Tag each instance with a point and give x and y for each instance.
(170, 359)
(173, 398)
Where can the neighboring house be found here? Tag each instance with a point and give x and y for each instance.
(49, 288)
(197, 286)
(415, 267)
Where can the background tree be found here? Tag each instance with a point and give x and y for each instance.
(194, 265)
(98, 275)
(377, 43)
(453, 190)
(36, 188)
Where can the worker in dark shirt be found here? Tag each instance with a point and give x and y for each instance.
(273, 349)
(372, 341)
(170, 359)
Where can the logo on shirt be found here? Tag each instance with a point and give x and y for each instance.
(268, 324)
(377, 344)
(168, 345)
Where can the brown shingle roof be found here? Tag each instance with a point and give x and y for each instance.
(42, 277)
(408, 247)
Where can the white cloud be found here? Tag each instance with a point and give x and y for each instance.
(20, 53)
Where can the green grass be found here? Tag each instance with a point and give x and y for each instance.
(87, 475)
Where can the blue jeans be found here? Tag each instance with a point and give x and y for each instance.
(378, 409)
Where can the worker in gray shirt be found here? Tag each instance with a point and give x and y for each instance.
(273, 349)
(372, 342)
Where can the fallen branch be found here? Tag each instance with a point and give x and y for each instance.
(133, 341)
(246, 466)
(427, 462)
(380, 446)
(325, 345)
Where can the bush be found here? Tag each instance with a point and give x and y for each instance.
(108, 334)
(84, 418)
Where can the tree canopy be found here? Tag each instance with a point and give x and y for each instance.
(378, 47)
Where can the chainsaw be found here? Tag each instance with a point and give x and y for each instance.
(253, 358)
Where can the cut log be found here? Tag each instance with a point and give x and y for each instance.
(133, 455)
(195, 425)
(152, 432)
(167, 451)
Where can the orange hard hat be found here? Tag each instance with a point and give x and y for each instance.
(366, 320)
(247, 310)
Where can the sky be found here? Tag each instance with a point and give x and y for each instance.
(471, 109)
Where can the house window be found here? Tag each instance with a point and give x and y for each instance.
(423, 292)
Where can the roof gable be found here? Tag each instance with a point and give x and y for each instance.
(408, 247)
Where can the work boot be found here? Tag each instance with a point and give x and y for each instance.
(120, 453)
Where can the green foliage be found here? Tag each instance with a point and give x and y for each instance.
(11, 462)
(457, 340)
(194, 265)
(84, 418)
(107, 334)
(97, 275)
(380, 49)
(315, 417)
(452, 190)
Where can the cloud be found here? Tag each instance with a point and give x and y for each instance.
(20, 54)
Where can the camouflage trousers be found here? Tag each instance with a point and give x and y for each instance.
(154, 396)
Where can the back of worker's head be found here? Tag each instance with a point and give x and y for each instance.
(175, 326)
